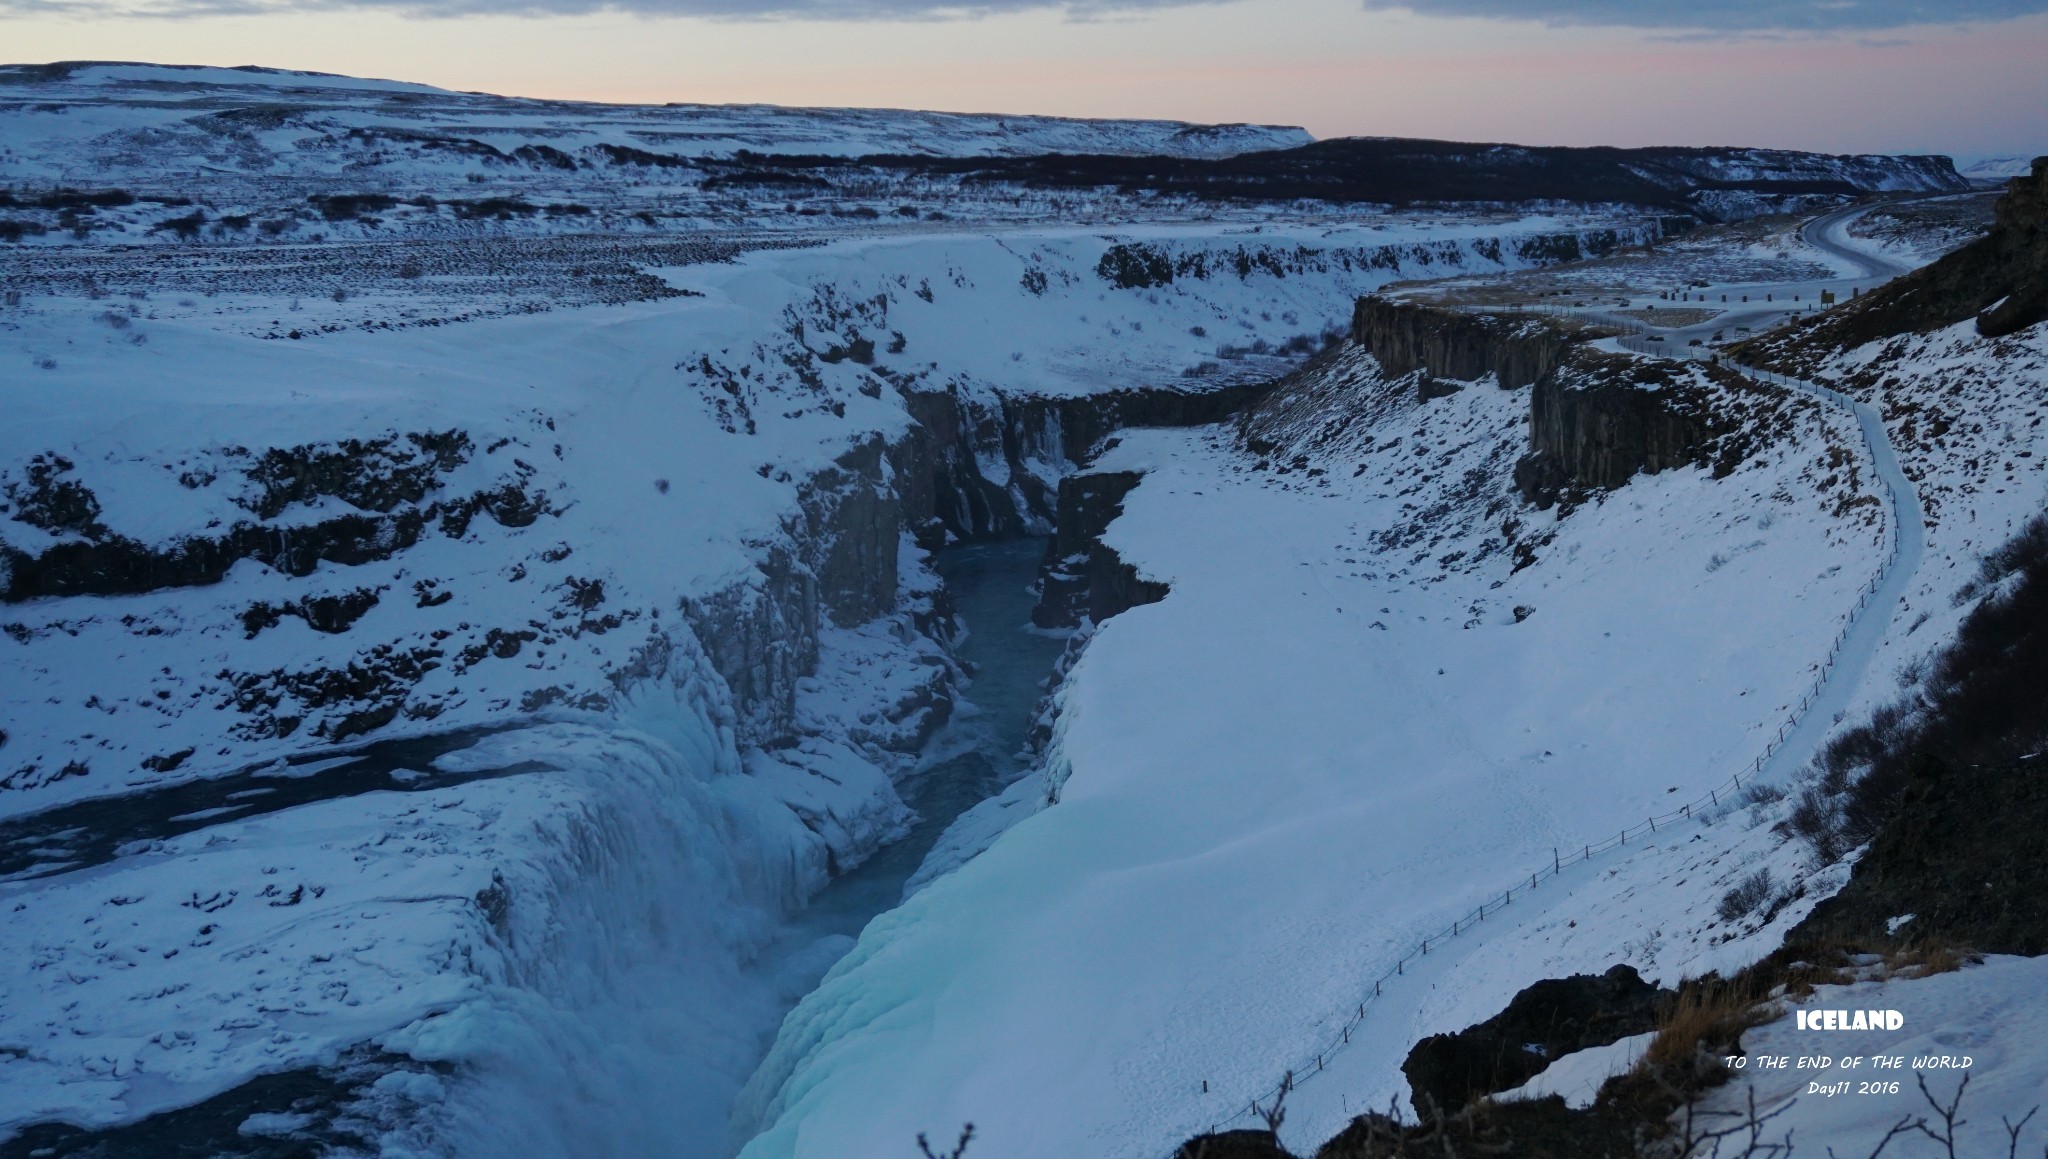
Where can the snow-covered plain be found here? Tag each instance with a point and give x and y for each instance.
(214, 156)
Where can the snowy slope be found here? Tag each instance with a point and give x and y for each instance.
(1986, 1020)
(518, 911)
(1332, 737)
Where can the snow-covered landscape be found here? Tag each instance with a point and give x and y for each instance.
(546, 628)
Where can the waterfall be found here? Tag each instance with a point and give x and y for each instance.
(623, 1011)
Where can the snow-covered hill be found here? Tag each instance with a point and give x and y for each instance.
(273, 120)
(664, 541)
(466, 585)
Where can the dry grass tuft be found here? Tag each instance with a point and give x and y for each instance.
(1707, 1018)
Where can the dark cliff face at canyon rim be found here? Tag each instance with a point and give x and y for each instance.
(1595, 419)
(1083, 578)
(1447, 344)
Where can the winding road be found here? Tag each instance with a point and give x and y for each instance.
(1864, 629)
(1841, 673)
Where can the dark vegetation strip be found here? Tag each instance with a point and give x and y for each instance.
(1385, 171)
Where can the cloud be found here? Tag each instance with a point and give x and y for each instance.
(715, 9)
(1681, 17)
(1730, 15)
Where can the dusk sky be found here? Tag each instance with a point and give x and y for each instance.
(1967, 77)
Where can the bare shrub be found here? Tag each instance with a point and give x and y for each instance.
(1982, 700)
(1744, 899)
(959, 1148)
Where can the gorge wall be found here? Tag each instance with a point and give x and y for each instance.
(1406, 337)
(1084, 578)
(977, 467)
(1595, 419)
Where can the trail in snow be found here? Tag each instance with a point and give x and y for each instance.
(1874, 615)
(1840, 676)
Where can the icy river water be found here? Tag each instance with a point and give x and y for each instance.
(975, 755)
(970, 759)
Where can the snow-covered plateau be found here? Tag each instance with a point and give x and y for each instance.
(450, 664)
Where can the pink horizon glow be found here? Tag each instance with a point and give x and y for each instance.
(1323, 64)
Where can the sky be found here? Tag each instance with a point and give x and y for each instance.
(1964, 77)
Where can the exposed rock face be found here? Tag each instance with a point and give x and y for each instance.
(1082, 577)
(853, 518)
(761, 636)
(1532, 1129)
(1551, 1018)
(2018, 252)
(973, 471)
(1595, 419)
(1600, 418)
(1452, 345)
(396, 485)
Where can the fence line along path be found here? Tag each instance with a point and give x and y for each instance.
(1800, 733)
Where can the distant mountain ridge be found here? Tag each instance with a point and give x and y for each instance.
(160, 96)
(1711, 183)
(101, 152)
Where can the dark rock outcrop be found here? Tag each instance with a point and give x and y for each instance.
(332, 614)
(112, 564)
(1082, 577)
(1406, 337)
(1554, 1017)
(1535, 1129)
(1600, 418)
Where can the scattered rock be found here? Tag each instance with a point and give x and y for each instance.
(1552, 1018)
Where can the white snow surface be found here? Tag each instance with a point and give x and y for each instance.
(1331, 738)
(1988, 1017)
(1577, 1077)
(616, 995)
